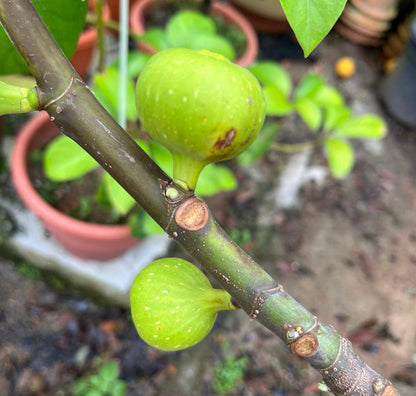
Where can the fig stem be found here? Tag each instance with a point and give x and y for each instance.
(188, 168)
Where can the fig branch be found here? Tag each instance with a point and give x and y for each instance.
(187, 219)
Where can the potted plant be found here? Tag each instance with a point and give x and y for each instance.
(74, 221)
(81, 59)
(198, 29)
(329, 121)
(264, 15)
(186, 218)
(86, 240)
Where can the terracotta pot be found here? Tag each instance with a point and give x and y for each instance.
(230, 15)
(377, 9)
(81, 60)
(114, 6)
(264, 15)
(85, 240)
(366, 21)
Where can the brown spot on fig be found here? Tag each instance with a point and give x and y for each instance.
(221, 144)
(192, 215)
(305, 346)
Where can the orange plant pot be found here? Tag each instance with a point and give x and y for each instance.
(230, 15)
(85, 240)
(81, 60)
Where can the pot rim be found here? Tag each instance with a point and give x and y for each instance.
(28, 194)
(140, 7)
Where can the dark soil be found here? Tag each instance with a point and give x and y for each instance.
(65, 196)
(347, 252)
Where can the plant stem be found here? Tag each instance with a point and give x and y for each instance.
(296, 147)
(185, 218)
(99, 25)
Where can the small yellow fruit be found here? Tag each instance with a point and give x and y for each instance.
(345, 67)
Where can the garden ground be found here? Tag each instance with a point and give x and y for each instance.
(345, 249)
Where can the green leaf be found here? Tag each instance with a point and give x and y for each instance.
(161, 156)
(308, 86)
(95, 381)
(362, 127)
(93, 392)
(65, 20)
(184, 25)
(143, 225)
(81, 387)
(109, 371)
(106, 88)
(310, 112)
(276, 102)
(215, 178)
(119, 198)
(272, 73)
(259, 146)
(340, 156)
(156, 37)
(119, 388)
(65, 160)
(335, 116)
(213, 43)
(135, 63)
(311, 20)
(328, 96)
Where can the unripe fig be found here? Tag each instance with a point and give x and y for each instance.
(199, 105)
(173, 304)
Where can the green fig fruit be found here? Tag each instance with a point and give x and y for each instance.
(173, 304)
(199, 105)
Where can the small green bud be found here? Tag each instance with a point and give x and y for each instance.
(173, 304)
(15, 99)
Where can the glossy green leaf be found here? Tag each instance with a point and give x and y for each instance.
(106, 88)
(65, 160)
(308, 86)
(335, 116)
(173, 304)
(362, 127)
(109, 371)
(93, 392)
(143, 225)
(185, 25)
(118, 197)
(310, 112)
(272, 73)
(340, 155)
(65, 20)
(276, 101)
(156, 37)
(215, 178)
(135, 63)
(311, 20)
(119, 388)
(327, 96)
(213, 43)
(259, 146)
